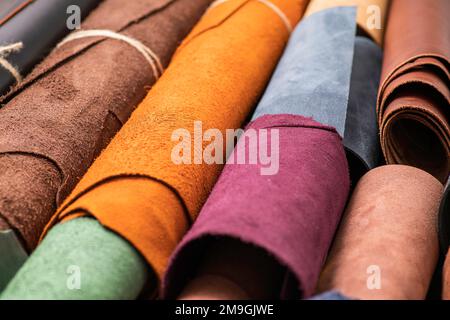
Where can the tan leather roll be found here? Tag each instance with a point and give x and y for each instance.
(387, 245)
(414, 97)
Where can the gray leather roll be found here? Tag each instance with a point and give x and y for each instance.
(361, 128)
(332, 75)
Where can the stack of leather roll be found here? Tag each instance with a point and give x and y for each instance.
(414, 96)
(123, 161)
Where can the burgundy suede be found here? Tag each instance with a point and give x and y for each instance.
(292, 215)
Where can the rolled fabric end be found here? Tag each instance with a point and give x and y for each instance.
(388, 230)
(414, 95)
(291, 215)
(414, 128)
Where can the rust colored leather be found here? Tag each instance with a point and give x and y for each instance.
(414, 97)
(390, 223)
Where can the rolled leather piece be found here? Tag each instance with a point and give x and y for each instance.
(292, 215)
(12, 256)
(361, 139)
(134, 187)
(387, 243)
(59, 119)
(330, 74)
(444, 220)
(63, 268)
(371, 17)
(38, 24)
(414, 96)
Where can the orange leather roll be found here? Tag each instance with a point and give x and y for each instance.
(216, 76)
(371, 18)
(387, 245)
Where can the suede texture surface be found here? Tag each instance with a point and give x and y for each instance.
(56, 123)
(414, 96)
(292, 215)
(108, 267)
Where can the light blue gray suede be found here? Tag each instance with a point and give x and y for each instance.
(332, 75)
(313, 77)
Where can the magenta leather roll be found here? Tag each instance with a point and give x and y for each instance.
(292, 214)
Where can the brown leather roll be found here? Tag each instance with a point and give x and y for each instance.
(58, 120)
(414, 97)
(387, 245)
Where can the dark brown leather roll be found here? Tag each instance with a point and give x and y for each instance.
(414, 97)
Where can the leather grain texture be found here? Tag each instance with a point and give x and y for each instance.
(57, 122)
(291, 215)
(330, 74)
